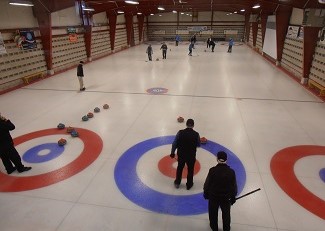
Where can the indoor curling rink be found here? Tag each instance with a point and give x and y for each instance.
(118, 176)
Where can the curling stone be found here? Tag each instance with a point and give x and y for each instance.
(203, 140)
(90, 115)
(74, 133)
(157, 59)
(61, 126)
(106, 106)
(84, 118)
(62, 142)
(69, 129)
(180, 119)
(96, 109)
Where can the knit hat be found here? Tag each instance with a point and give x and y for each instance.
(222, 156)
(190, 123)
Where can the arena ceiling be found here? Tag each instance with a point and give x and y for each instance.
(147, 7)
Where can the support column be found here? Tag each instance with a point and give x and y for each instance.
(88, 35)
(263, 26)
(129, 29)
(283, 15)
(112, 28)
(247, 26)
(140, 25)
(45, 25)
(309, 45)
(254, 31)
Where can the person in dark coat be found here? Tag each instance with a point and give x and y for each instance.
(8, 153)
(220, 188)
(149, 52)
(212, 45)
(164, 50)
(208, 42)
(193, 40)
(186, 143)
(80, 74)
(190, 48)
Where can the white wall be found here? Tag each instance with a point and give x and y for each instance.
(297, 16)
(120, 19)
(269, 46)
(66, 17)
(100, 18)
(13, 17)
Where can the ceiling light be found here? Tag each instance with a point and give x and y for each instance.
(151, 14)
(161, 8)
(174, 11)
(160, 15)
(120, 12)
(242, 10)
(182, 13)
(21, 3)
(139, 13)
(132, 2)
(256, 6)
(235, 12)
(88, 8)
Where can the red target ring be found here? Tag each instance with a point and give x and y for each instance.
(282, 168)
(165, 166)
(93, 146)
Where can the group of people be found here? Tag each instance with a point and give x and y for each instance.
(163, 47)
(220, 186)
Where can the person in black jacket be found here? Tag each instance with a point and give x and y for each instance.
(186, 143)
(8, 153)
(212, 45)
(220, 188)
(80, 74)
(164, 49)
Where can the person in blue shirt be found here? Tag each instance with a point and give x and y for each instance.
(230, 44)
(177, 39)
(186, 143)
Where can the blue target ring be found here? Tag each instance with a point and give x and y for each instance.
(33, 155)
(322, 174)
(131, 186)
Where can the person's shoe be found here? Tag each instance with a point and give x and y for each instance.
(188, 187)
(24, 169)
(82, 89)
(11, 170)
(176, 185)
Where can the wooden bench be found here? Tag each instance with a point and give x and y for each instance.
(312, 84)
(27, 78)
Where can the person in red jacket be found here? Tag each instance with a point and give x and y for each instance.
(8, 153)
(220, 188)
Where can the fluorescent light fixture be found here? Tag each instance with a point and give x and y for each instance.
(174, 11)
(120, 12)
(242, 10)
(132, 2)
(151, 14)
(182, 13)
(161, 8)
(88, 9)
(160, 15)
(256, 6)
(235, 12)
(139, 13)
(21, 3)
